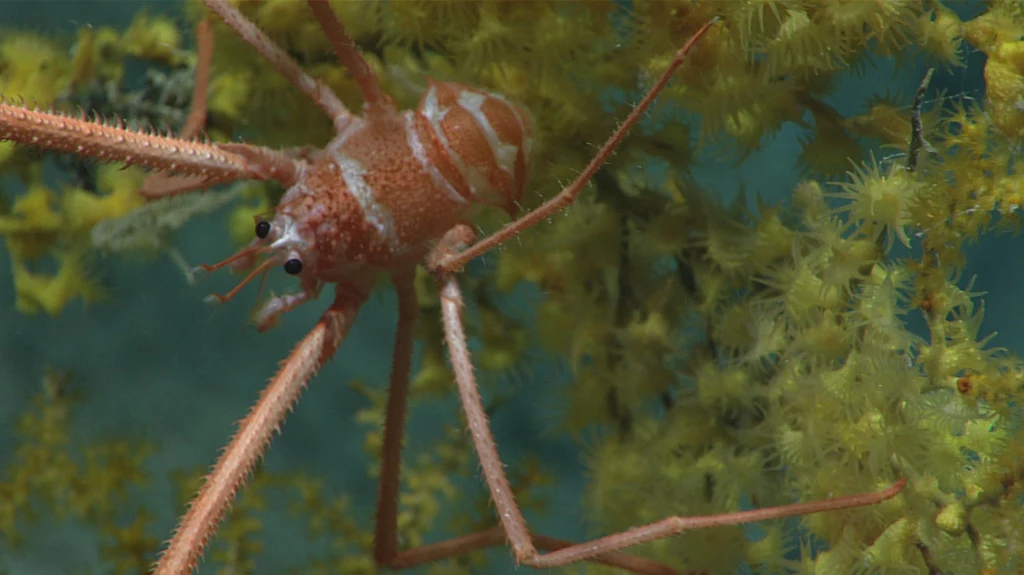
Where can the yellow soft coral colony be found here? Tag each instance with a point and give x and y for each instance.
(32, 68)
(31, 230)
(153, 38)
(41, 221)
(52, 473)
(35, 227)
(999, 37)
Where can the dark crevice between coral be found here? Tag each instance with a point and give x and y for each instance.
(929, 561)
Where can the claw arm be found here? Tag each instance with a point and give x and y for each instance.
(114, 143)
(254, 434)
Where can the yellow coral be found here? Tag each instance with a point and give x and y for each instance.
(83, 210)
(1004, 84)
(998, 34)
(31, 68)
(96, 54)
(35, 227)
(35, 292)
(881, 196)
(33, 224)
(154, 38)
(940, 33)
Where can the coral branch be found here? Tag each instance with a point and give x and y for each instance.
(917, 141)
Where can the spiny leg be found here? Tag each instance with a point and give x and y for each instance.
(495, 537)
(455, 262)
(163, 184)
(196, 121)
(524, 545)
(265, 163)
(321, 95)
(377, 102)
(254, 434)
(268, 163)
(202, 164)
(675, 525)
(181, 164)
(114, 143)
(513, 526)
(385, 538)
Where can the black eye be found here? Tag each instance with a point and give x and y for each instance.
(262, 229)
(293, 266)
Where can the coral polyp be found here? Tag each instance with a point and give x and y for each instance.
(880, 197)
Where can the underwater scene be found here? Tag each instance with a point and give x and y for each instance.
(791, 287)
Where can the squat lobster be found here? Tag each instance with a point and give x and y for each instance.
(388, 193)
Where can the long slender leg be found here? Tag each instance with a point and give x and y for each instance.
(513, 526)
(509, 515)
(114, 143)
(377, 102)
(163, 184)
(196, 121)
(454, 262)
(495, 537)
(321, 95)
(524, 546)
(264, 163)
(385, 538)
(261, 163)
(254, 434)
(199, 163)
(268, 163)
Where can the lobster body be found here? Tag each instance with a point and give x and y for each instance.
(391, 184)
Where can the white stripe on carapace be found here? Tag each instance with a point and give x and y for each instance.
(354, 175)
(288, 234)
(352, 128)
(479, 187)
(418, 151)
(504, 154)
(518, 112)
(286, 229)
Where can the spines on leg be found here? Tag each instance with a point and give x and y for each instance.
(114, 143)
